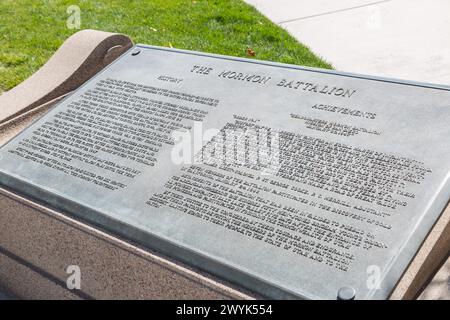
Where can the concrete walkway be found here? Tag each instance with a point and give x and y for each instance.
(407, 39)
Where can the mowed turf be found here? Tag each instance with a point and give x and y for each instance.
(31, 31)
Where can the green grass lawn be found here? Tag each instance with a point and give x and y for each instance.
(31, 31)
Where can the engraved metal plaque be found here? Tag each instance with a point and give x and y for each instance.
(293, 182)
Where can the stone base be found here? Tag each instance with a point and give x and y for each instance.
(37, 243)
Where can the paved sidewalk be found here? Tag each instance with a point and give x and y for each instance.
(407, 39)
